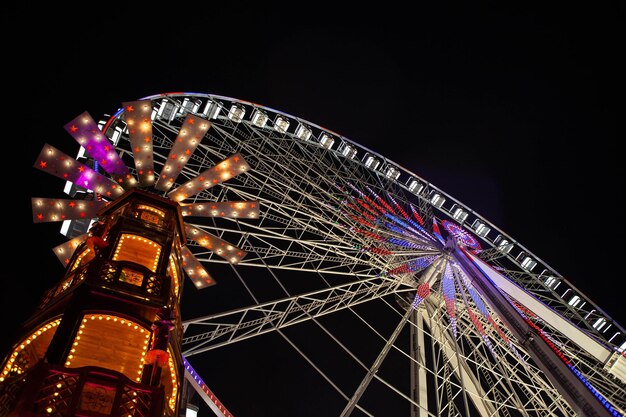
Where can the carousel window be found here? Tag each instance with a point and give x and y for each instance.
(150, 214)
(85, 256)
(110, 342)
(138, 249)
(29, 350)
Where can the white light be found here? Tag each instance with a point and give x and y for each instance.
(480, 228)
(65, 227)
(528, 263)
(327, 141)
(574, 301)
(303, 132)
(437, 200)
(371, 161)
(236, 113)
(281, 124)
(415, 186)
(259, 118)
(459, 214)
(392, 173)
(348, 151)
(599, 324)
(211, 109)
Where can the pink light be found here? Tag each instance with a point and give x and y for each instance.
(86, 132)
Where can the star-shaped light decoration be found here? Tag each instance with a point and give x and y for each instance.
(117, 178)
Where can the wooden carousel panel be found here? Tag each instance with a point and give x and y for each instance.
(138, 249)
(110, 342)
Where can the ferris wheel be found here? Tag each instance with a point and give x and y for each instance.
(383, 294)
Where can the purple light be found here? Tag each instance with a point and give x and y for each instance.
(461, 235)
(86, 132)
(61, 165)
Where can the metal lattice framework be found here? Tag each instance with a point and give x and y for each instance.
(343, 231)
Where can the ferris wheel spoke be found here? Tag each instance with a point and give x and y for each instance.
(326, 378)
(286, 249)
(230, 209)
(375, 366)
(252, 321)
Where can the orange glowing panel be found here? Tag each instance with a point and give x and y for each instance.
(230, 209)
(225, 170)
(59, 164)
(87, 133)
(213, 243)
(195, 271)
(138, 249)
(56, 210)
(110, 342)
(65, 250)
(137, 116)
(189, 137)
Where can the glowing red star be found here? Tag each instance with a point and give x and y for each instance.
(191, 121)
(81, 169)
(72, 204)
(40, 216)
(43, 164)
(73, 128)
(174, 156)
(147, 139)
(130, 108)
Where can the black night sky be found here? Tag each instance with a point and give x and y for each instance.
(516, 110)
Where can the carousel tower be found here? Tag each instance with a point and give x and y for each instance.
(105, 341)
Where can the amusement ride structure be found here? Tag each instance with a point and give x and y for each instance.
(298, 225)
